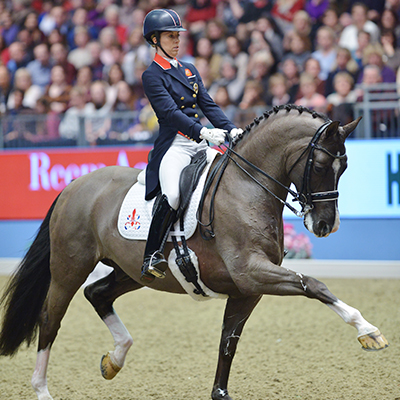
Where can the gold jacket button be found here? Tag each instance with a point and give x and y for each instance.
(194, 95)
(182, 107)
(182, 98)
(196, 115)
(194, 106)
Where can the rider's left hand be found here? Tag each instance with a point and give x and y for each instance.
(236, 133)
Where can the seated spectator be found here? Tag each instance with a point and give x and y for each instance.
(331, 20)
(23, 82)
(301, 26)
(5, 88)
(391, 50)
(373, 55)
(31, 25)
(340, 102)
(290, 71)
(107, 38)
(59, 56)
(283, 11)
(278, 91)
(57, 93)
(8, 29)
(359, 14)
(239, 57)
(259, 68)
(114, 77)
(18, 59)
(80, 56)
(73, 124)
(84, 79)
(55, 36)
(300, 47)
(79, 18)
(326, 51)
(313, 67)
(363, 39)
(267, 26)
(221, 97)
(204, 49)
(96, 66)
(138, 50)
(111, 15)
(389, 21)
(311, 98)
(203, 67)
(216, 32)
(40, 67)
(98, 120)
(56, 18)
(344, 62)
(252, 104)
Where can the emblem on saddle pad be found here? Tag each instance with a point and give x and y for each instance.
(133, 221)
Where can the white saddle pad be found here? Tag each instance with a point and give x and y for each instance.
(136, 213)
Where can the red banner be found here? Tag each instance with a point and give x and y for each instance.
(31, 180)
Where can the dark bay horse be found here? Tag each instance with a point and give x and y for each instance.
(285, 145)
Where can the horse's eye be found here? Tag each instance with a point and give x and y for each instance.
(318, 170)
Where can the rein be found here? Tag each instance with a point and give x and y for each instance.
(305, 197)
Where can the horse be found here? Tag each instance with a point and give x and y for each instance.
(241, 257)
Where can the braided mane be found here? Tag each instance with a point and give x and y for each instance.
(275, 110)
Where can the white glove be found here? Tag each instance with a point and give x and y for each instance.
(214, 135)
(235, 133)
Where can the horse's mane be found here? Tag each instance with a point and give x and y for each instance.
(275, 110)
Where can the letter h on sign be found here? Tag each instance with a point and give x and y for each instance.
(392, 178)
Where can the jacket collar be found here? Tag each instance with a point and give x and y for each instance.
(163, 63)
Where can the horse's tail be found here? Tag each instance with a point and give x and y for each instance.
(26, 292)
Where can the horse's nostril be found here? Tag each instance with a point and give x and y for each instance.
(324, 228)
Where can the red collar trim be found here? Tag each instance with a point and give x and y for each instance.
(162, 62)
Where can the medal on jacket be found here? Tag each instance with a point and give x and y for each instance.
(196, 87)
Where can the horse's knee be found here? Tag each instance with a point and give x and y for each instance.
(96, 294)
(318, 290)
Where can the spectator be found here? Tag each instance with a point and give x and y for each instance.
(340, 102)
(114, 77)
(8, 29)
(391, 51)
(126, 10)
(252, 104)
(84, 78)
(331, 20)
(312, 66)
(301, 26)
(203, 67)
(326, 51)
(57, 93)
(283, 11)
(5, 88)
(111, 15)
(239, 57)
(311, 98)
(204, 49)
(221, 97)
(55, 36)
(72, 123)
(185, 49)
(216, 32)
(97, 67)
(344, 62)
(348, 38)
(259, 68)
(31, 25)
(278, 91)
(107, 39)
(80, 56)
(59, 56)
(230, 79)
(266, 25)
(40, 67)
(290, 71)
(363, 40)
(316, 9)
(98, 121)
(23, 82)
(17, 60)
(390, 22)
(373, 55)
(55, 19)
(300, 47)
(79, 18)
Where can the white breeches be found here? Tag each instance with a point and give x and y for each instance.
(176, 158)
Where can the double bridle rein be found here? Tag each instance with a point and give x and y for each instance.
(305, 197)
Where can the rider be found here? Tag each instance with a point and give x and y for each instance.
(177, 94)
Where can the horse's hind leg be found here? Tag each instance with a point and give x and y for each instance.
(58, 298)
(102, 294)
(237, 312)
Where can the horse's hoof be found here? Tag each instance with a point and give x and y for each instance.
(220, 394)
(108, 368)
(373, 341)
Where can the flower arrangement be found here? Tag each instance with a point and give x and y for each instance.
(297, 245)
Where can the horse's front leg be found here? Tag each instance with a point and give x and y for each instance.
(237, 312)
(264, 277)
(102, 294)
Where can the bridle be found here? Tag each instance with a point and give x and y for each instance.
(305, 197)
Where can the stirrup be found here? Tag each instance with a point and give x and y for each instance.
(154, 266)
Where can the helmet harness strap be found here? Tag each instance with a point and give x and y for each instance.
(158, 43)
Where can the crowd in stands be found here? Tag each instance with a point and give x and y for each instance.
(67, 59)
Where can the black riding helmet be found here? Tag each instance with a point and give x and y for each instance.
(161, 20)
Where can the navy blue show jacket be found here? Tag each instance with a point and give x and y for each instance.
(176, 95)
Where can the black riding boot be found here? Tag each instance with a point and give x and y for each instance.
(154, 264)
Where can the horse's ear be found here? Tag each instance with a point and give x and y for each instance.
(347, 129)
(332, 128)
